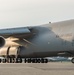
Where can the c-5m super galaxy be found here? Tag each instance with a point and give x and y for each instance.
(53, 39)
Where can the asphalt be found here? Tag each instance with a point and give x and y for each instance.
(52, 68)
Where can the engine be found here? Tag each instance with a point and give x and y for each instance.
(14, 51)
(2, 41)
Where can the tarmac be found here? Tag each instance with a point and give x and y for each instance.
(51, 68)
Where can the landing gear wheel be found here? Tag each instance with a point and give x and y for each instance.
(72, 60)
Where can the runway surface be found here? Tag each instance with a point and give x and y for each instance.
(52, 68)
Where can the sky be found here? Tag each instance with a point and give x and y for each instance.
(20, 13)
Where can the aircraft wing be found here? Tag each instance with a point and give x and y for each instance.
(16, 32)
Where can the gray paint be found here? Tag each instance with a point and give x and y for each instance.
(49, 40)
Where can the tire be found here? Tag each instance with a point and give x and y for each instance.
(72, 60)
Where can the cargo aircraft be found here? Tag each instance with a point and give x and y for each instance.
(52, 39)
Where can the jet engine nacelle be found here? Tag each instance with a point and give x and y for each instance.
(2, 41)
(19, 51)
(6, 51)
